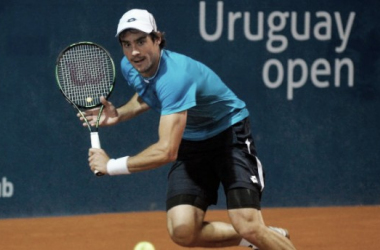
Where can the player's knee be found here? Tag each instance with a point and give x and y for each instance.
(246, 225)
(183, 235)
(249, 231)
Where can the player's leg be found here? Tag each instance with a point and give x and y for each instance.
(249, 224)
(242, 176)
(187, 228)
(192, 187)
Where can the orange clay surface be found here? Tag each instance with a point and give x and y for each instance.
(335, 228)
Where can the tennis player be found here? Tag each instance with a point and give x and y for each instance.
(204, 131)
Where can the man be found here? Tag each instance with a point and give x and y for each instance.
(204, 129)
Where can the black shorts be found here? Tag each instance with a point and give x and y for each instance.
(228, 158)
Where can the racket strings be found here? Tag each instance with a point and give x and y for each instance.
(85, 73)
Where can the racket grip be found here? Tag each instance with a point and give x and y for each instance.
(95, 143)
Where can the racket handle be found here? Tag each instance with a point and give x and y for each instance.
(95, 143)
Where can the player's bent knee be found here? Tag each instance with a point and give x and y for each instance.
(246, 222)
(183, 235)
(250, 231)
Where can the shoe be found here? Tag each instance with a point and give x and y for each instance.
(253, 247)
(246, 243)
(284, 232)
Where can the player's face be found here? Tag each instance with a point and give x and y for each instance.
(141, 51)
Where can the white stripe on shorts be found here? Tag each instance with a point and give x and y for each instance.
(260, 171)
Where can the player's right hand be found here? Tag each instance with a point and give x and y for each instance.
(97, 160)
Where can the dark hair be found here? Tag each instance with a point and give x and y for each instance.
(153, 35)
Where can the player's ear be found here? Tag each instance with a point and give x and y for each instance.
(158, 38)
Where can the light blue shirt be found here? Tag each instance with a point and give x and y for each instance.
(182, 83)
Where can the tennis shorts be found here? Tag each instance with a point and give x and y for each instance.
(228, 158)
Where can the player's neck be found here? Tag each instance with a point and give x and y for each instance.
(148, 77)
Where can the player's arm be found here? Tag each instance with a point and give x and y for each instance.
(112, 115)
(134, 107)
(165, 150)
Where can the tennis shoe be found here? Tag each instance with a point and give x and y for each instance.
(253, 247)
(284, 232)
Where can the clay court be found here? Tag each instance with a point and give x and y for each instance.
(336, 228)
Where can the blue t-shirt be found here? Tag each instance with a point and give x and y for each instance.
(182, 83)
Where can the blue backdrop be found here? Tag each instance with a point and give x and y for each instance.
(308, 71)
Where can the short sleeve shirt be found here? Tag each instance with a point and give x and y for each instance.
(182, 83)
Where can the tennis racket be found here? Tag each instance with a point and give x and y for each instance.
(85, 71)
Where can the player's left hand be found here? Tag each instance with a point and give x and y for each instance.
(97, 159)
(109, 116)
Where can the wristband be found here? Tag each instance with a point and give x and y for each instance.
(118, 166)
